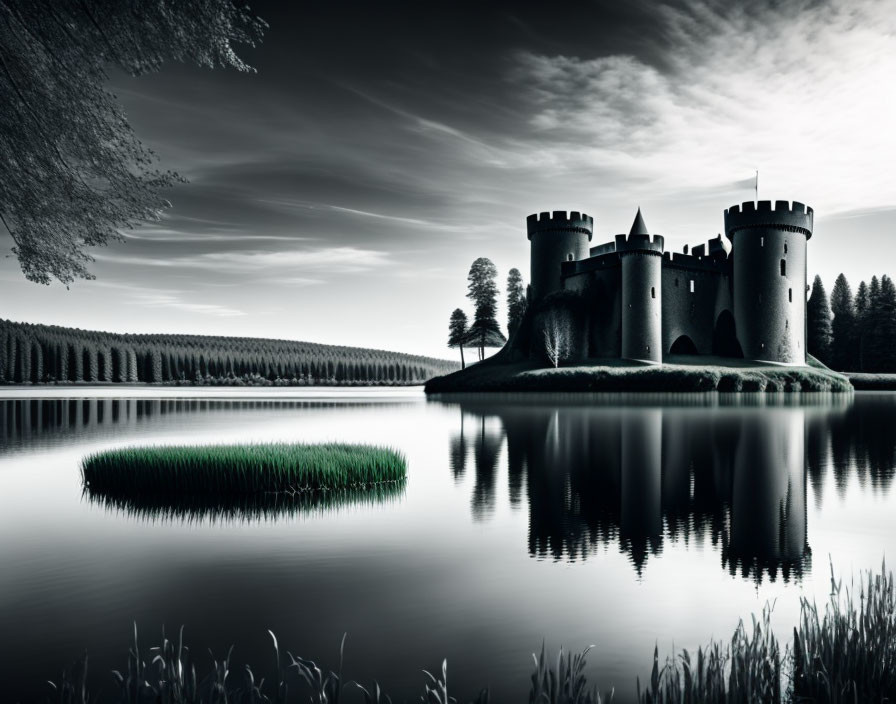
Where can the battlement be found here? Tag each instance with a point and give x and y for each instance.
(646, 244)
(678, 260)
(602, 249)
(558, 221)
(717, 248)
(761, 214)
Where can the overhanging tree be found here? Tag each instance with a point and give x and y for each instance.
(818, 323)
(483, 291)
(74, 171)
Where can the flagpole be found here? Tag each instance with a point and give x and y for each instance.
(757, 185)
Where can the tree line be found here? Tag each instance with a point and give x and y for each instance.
(853, 332)
(51, 354)
(482, 290)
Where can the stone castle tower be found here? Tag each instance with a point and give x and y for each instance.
(770, 278)
(741, 295)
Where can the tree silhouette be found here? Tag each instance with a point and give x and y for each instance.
(843, 326)
(482, 290)
(74, 172)
(862, 305)
(871, 336)
(516, 300)
(457, 333)
(818, 323)
(886, 325)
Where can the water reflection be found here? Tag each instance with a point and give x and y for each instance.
(599, 474)
(197, 509)
(36, 422)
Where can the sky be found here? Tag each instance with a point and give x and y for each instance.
(340, 194)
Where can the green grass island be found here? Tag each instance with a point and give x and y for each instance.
(264, 469)
(676, 374)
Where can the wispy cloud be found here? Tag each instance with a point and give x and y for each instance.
(801, 91)
(334, 260)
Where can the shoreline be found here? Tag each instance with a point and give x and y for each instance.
(617, 376)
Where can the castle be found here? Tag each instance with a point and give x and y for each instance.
(742, 294)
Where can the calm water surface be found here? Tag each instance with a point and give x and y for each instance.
(617, 521)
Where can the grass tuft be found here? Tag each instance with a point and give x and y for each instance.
(239, 470)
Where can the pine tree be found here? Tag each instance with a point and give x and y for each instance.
(482, 290)
(844, 325)
(886, 329)
(872, 337)
(516, 300)
(818, 323)
(457, 333)
(862, 305)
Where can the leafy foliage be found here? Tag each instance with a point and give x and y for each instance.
(74, 172)
(51, 354)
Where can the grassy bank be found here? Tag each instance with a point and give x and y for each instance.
(239, 470)
(680, 374)
(872, 382)
(843, 652)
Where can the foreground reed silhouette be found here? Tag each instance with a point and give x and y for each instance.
(844, 653)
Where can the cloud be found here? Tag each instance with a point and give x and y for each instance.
(335, 260)
(801, 91)
(175, 300)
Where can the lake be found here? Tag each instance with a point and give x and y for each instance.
(619, 521)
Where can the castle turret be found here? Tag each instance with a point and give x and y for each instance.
(642, 257)
(555, 238)
(769, 251)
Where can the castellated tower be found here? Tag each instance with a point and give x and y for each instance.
(642, 315)
(555, 238)
(769, 246)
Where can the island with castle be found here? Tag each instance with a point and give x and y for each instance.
(728, 314)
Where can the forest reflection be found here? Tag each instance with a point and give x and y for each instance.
(600, 474)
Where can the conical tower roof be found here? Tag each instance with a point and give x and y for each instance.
(638, 226)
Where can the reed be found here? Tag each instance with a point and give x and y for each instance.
(239, 470)
(845, 652)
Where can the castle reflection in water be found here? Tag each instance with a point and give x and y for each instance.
(637, 472)
(596, 472)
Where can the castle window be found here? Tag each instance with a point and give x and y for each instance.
(569, 257)
(692, 285)
(762, 241)
(653, 291)
(790, 294)
(785, 248)
(783, 267)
